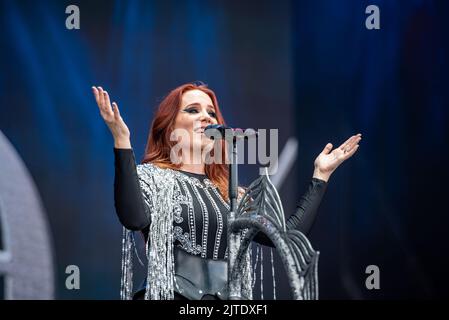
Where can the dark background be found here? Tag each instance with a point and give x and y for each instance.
(309, 68)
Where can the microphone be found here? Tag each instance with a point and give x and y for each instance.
(221, 131)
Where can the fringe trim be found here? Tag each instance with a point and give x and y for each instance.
(159, 247)
(126, 283)
(161, 270)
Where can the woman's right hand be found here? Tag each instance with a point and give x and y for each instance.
(111, 115)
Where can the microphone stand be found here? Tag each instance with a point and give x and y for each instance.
(233, 240)
(230, 135)
(292, 246)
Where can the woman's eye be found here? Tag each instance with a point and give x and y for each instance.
(194, 110)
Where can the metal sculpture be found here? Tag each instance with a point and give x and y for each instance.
(260, 210)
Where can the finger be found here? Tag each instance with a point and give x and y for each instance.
(353, 143)
(107, 103)
(116, 111)
(101, 97)
(344, 144)
(98, 97)
(350, 140)
(95, 91)
(327, 148)
(351, 152)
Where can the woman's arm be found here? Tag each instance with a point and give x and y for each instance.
(306, 211)
(325, 165)
(128, 199)
(307, 207)
(129, 203)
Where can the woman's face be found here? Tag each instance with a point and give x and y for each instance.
(195, 113)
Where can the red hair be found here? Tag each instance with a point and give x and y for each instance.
(159, 145)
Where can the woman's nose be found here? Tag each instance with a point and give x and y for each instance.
(205, 116)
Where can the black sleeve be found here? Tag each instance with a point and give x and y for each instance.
(128, 200)
(306, 211)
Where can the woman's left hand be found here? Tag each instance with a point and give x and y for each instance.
(327, 161)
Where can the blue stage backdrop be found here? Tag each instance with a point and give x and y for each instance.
(308, 68)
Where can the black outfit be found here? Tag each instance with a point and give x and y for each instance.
(200, 217)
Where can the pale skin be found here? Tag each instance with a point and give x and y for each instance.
(196, 112)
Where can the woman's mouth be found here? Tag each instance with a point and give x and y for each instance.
(200, 130)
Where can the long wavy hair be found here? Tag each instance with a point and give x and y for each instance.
(158, 146)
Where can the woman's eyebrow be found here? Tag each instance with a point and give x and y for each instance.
(198, 104)
(192, 104)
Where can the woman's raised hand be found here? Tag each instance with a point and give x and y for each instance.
(327, 161)
(111, 115)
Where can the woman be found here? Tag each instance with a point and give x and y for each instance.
(180, 201)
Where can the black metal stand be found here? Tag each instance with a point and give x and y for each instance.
(233, 196)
